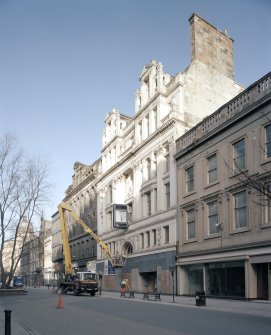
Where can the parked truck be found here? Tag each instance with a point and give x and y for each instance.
(83, 281)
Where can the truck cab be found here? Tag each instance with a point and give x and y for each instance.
(81, 282)
(87, 282)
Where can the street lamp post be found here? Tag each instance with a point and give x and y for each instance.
(172, 270)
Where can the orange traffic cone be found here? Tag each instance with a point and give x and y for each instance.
(60, 303)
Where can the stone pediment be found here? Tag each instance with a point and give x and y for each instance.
(78, 164)
(147, 67)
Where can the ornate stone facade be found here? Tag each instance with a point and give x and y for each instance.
(137, 165)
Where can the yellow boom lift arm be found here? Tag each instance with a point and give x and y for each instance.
(64, 231)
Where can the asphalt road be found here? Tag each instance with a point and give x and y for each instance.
(37, 314)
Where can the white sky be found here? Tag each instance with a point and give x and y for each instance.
(64, 64)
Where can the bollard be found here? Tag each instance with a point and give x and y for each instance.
(7, 322)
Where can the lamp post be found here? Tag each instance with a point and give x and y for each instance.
(172, 270)
(100, 282)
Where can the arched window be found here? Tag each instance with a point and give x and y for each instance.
(127, 248)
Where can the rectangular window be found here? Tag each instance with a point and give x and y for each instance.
(268, 140)
(147, 125)
(140, 130)
(268, 200)
(155, 200)
(240, 209)
(213, 217)
(109, 194)
(114, 248)
(167, 163)
(239, 162)
(130, 212)
(154, 236)
(148, 169)
(142, 241)
(148, 239)
(191, 226)
(155, 119)
(148, 199)
(109, 219)
(166, 156)
(155, 167)
(167, 186)
(190, 179)
(166, 234)
(212, 169)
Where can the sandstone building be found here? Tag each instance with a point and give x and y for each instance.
(36, 258)
(81, 197)
(224, 179)
(137, 166)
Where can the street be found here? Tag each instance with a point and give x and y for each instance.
(36, 313)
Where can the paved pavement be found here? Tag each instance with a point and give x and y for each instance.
(254, 307)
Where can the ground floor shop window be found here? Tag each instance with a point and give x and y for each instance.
(193, 279)
(216, 279)
(226, 279)
(262, 281)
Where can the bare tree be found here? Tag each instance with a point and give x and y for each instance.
(259, 181)
(23, 191)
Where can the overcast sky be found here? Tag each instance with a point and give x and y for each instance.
(64, 64)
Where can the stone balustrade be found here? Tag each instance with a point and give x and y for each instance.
(226, 112)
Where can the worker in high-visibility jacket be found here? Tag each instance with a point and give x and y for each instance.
(123, 286)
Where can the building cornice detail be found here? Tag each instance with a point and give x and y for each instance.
(79, 187)
(133, 151)
(243, 104)
(182, 255)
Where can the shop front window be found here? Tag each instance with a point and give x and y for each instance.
(226, 279)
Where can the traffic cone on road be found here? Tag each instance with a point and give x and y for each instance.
(60, 303)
